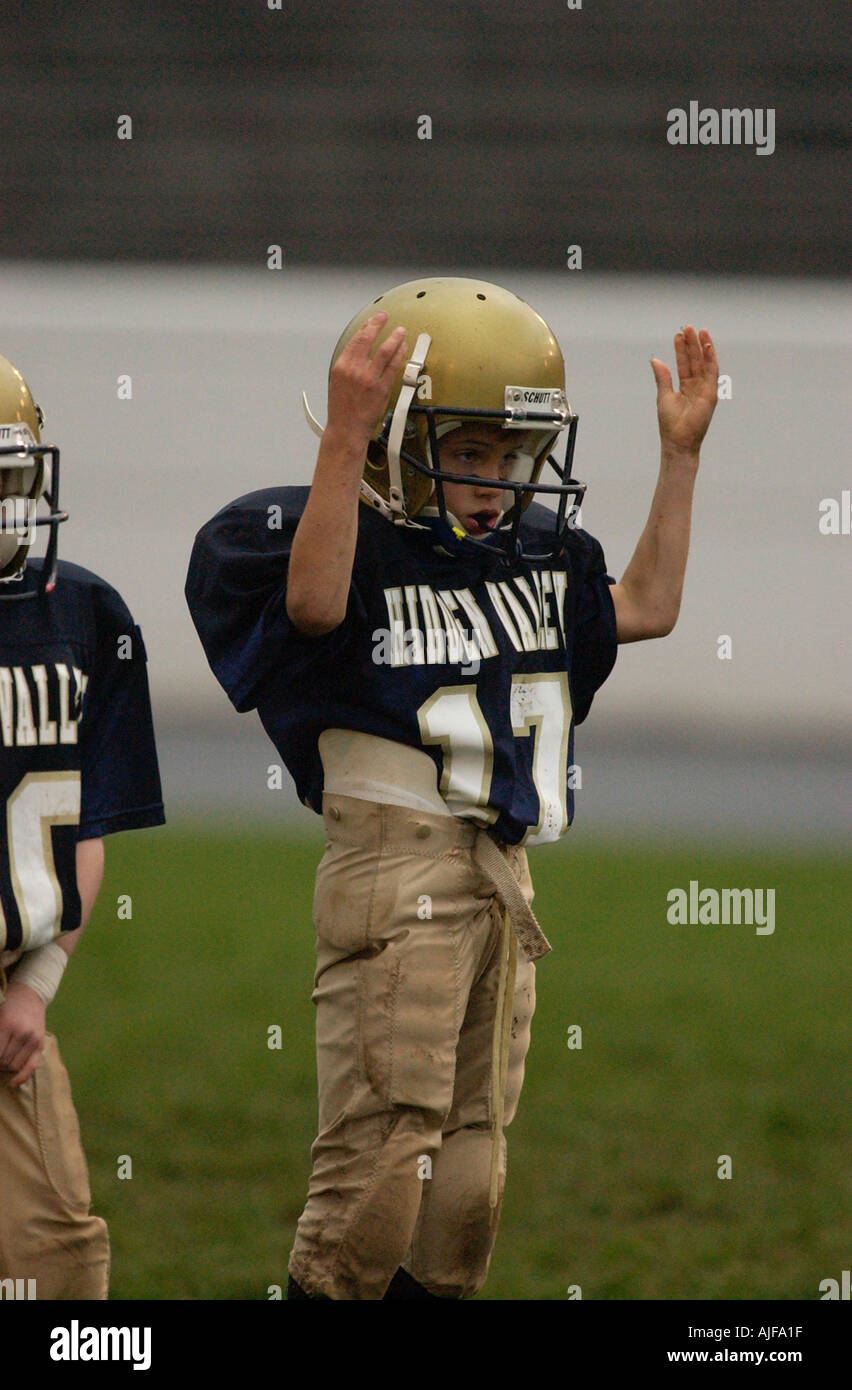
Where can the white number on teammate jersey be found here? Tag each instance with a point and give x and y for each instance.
(452, 719)
(40, 800)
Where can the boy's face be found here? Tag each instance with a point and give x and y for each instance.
(485, 451)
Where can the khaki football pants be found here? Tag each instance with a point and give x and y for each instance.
(46, 1231)
(409, 934)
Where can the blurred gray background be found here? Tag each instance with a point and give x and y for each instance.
(298, 127)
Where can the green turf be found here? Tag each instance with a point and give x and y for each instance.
(697, 1042)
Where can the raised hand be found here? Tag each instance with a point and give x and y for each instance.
(684, 415)
(360, 385)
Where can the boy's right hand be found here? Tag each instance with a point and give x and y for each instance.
(22, 1032)
(360, 385)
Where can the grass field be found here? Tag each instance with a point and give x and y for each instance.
(697, 1041)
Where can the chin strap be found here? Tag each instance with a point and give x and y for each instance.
(312, 420)
(410, 377)
(451, 538)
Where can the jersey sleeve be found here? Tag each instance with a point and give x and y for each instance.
(595, 637)
(120, 778)
(236, 590)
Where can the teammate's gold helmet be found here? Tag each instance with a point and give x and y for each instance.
(476, 352)
(29, 470)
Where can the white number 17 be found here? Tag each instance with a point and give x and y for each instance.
(452, 718)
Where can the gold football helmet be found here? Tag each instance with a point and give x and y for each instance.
(29, 470)
(479, 353)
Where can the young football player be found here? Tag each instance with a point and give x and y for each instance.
(77, 763)
(419, 637)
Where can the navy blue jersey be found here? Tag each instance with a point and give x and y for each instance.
(483, 666)
(77, 754)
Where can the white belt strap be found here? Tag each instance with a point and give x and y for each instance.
(500, 1039)
(519, 927)
(530, 935)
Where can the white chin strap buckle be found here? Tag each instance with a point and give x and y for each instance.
(311, 418)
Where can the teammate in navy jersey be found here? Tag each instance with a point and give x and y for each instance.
(77, 762)
(419, 637)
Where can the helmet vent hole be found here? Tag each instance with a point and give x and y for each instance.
(421, 294)
(375, 301)
(480, 296)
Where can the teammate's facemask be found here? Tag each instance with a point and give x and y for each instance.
(29, 472)
(482, 355)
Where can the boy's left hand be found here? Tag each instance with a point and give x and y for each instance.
(685, 415)
(22, 1033)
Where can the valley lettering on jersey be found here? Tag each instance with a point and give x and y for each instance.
(40, 705)
(434, 627)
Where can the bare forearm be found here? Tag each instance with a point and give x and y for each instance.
(323, 552)
(654, 577)
(90, 873)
